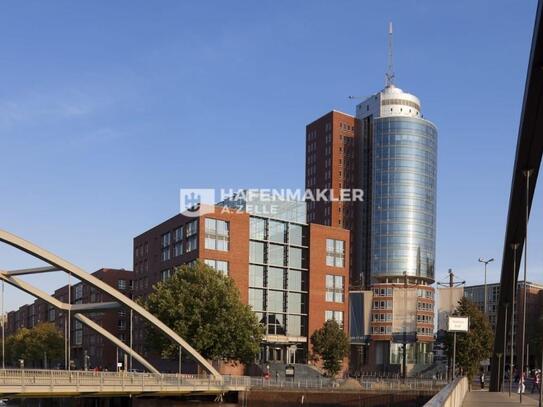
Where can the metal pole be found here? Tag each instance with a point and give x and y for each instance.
(504, 348)
(540, 380)
(527, 175)
(180, 354)
(69, 319)
(527, 358)
(454, 358)
(486, 295)
(3, 331)
(513, 316)
(65, 316)
(131, 336)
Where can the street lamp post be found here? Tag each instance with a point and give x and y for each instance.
(527, 174)
(514, 246)
(482, 260)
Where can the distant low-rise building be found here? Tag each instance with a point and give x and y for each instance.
(534, 303)
(88, 348)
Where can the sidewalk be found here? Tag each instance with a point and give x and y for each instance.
(476, 398)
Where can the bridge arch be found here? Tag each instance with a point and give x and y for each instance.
(59, 264)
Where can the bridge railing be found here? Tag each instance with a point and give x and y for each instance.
(132, 381)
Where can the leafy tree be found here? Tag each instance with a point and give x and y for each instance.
(474, 346)
(204, 307)
(34, 345)
(331, 344)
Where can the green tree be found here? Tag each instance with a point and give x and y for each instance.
(474, 346)
(35, 345)
(204, 307)
(331, 344)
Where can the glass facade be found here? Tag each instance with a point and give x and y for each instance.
(278, 275)
(403, 218)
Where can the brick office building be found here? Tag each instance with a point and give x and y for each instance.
(293, 274)
(85, 343)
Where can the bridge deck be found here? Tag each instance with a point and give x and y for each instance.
(58, 383)
(34, 383)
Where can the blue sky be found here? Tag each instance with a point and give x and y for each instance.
(107, 109)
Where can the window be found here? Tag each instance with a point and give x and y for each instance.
(276, 324)
(218, 265)
(78, 291)
(296, 303)
(297, 280)
(256, 276)
(216, 234)
(276, 278)
(165, 274)
(297, 257)
(334, 316)
(52, 314)
(191, 228)
(192, 243)
(296, 235)
(165, 244)
(296, 325)
(276, 301)
(258, 228)
(276, 254)
(277, 231)
(335, 253)
(334, 288)
(178, 234)
(122, 284)
(78, 339)
(256, 252)
(178, 246)
(256, 299)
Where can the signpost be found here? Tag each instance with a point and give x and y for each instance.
(456, 324)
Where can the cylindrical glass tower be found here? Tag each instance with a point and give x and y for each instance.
(397, 225)
(403, 213)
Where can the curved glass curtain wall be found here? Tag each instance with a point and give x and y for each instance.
(403, 222)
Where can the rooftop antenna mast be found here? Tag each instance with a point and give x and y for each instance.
(390, 70)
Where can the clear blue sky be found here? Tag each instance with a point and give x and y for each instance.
(107, 109)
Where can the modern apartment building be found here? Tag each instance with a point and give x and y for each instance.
(88, 348)
(388, 150)
(293, 274)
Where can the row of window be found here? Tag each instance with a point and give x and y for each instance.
(185, 240)
(277, 301)
(381, 317)
(277, 231)
(283, 324)
(425, 331)
(277, 278)
(427, 319)
(387, 292)
(276, 254)
(421, 306)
